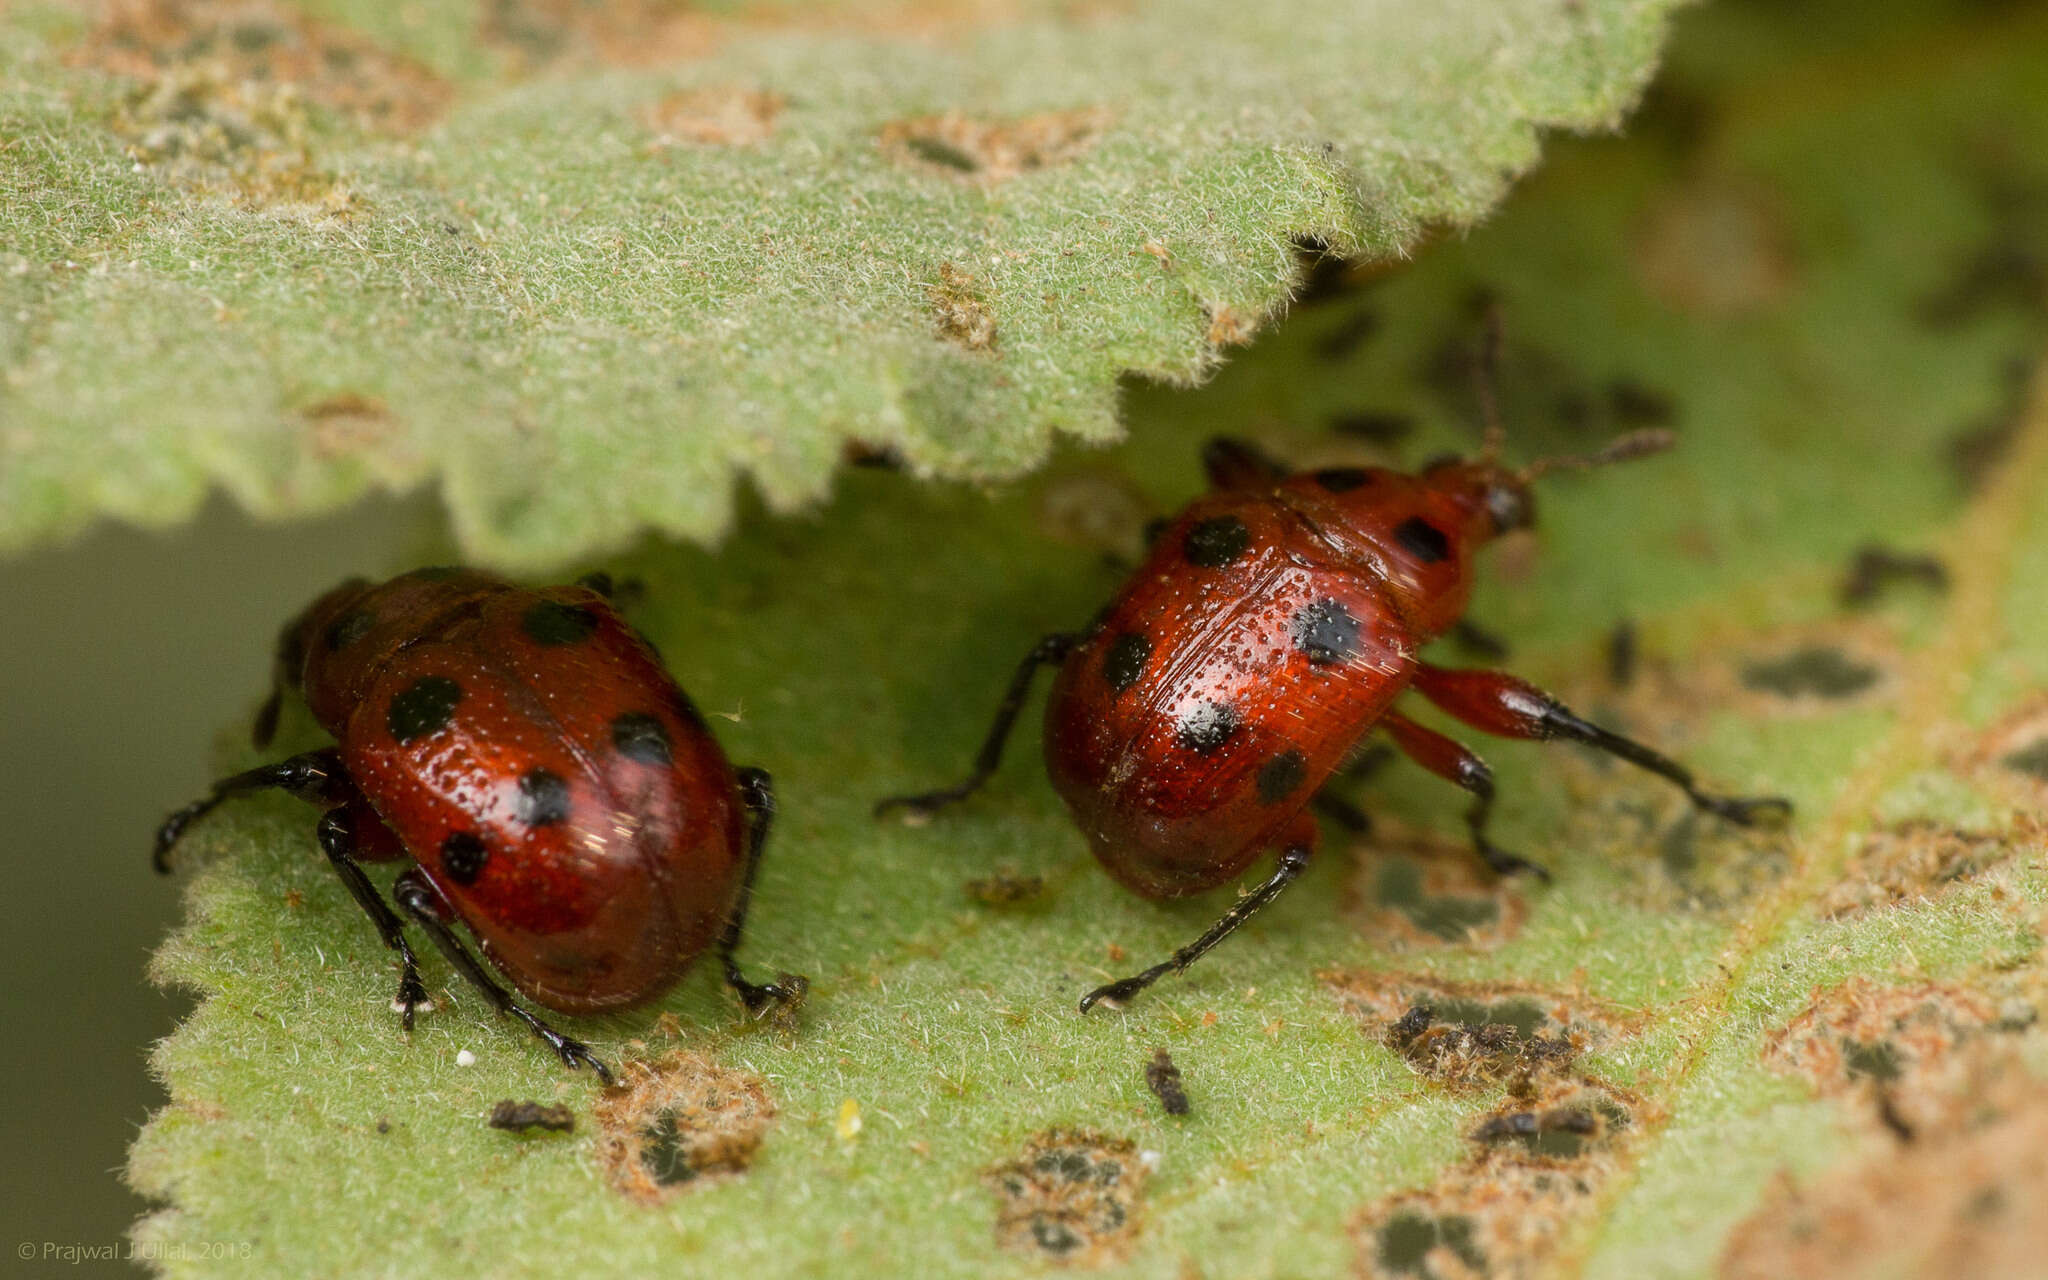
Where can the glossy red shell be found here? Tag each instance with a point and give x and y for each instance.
(1217, 692)
(597, 825)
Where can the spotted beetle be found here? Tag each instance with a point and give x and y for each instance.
(1271, 628)
(554, 789)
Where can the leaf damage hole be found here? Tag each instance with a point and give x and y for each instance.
(681, 1121)
(1071, 1198)
(1412, 889)
(514, 1116)
(1959, 1199)
(993, 151)
(1913, 1047)
(1468, 1034)
(1919, 859)
(960, 313)
(714, 116)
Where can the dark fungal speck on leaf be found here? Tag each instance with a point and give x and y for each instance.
(1326, 632)
(1206, 727)
(517, 1117)
(1216, 542)
(347, 629)
(463, 855)
(1163, 1078)
(550, 622)
(543, 798)
(425, 706)
(640, 736)
(1279, 776)
(1815, 671)
(1423, 540)
(1125, 660)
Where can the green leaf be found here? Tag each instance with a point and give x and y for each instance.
(582, 265)
(1811, 262)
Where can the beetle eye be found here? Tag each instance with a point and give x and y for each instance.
(1510, 507)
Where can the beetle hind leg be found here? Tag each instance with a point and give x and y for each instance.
(426, 909)
(1451, 760)
(1294, 859)
(757, 792)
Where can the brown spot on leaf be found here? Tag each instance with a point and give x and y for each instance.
(720, 115)
(993, 150)
(1960, 1200)
(1539, 1161)
(1229, 327)
(1716, 248)
(1071, 1198)
(1006, 888)
(681, 1121)
(225, 93)
(2012, 755)
(348, 423)
(1415, 889)
(1920, 859)
(1471, 1033)
(961, 315)
(1916, 1045)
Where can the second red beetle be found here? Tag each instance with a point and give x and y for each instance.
(556, 791)
(1272, 627)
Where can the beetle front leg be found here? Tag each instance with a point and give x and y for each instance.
(419, 901)
(1510, 708)
(1450, 759)
(757, 791)
(1294, 859)
(314, 776)
(1050, 651)
(339, 841)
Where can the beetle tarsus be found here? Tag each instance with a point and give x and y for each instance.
(1117, 994)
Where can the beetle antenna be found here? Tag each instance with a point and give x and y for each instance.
(1624, 448)
(1486, 382)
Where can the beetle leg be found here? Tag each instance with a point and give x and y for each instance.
(420, 902)
(1294, 858)
(315, 776)
(1452, 760)
(1051, 650)
(1501, 704)
(757, 792)
(338, 840)
(1231, 463)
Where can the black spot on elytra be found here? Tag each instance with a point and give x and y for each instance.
(640, 736)
(347, 629)
(1342, 479)
(543, 798)
(1326, 632)
(425, 706)
(463, 855)
(1423, 540)
(1125, 660)
(1217, 541)
(550, 622)
(1279, 776)
(1206, 727)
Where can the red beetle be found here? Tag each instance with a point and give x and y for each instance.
(1271, 628)
(555, 790)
